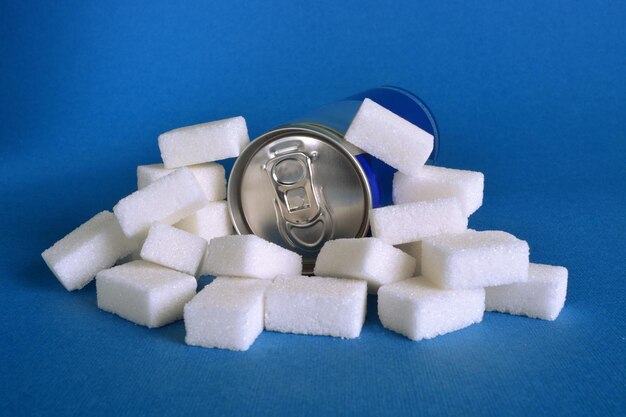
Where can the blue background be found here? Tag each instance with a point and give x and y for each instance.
(531, 93)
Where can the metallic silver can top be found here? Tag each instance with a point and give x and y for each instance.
(298, 187)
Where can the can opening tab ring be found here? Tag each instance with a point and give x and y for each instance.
(303, 218)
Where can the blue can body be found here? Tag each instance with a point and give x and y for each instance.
(405, 104)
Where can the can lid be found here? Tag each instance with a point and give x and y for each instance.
(298, 187)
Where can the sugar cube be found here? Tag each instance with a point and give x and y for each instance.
(92, 247)
(147, 174)
(541, 297)
(369, 259)
(174, 248)
(431, 183)
(409, 222)
(474, 259)
(226, 314)
(167, 200)
(413, 249)
(390, 138)
(316, 306)
(249, 256)
(144, 293)
(211, 177)
(204, 142)
(208, 222)
(419, 310)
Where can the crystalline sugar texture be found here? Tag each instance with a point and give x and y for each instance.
(419, 310)
(431, 183)
(541, 297)
(474, 259)
(211, 177)
(209, 222)
(167, 200)
(90, 248)
(316, 306)
(173, 248)
(204, 142)
(147, 174)
(410, 222)
(144, 293)
(249, 256)
(390, 138)
(369, 259)
(226, 314)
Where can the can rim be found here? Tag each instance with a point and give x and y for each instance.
(240, 224)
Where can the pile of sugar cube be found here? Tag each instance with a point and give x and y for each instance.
(432, 275)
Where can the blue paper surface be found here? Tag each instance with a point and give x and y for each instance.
(533, 94)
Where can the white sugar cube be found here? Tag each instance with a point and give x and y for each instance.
(167, 200)
(413, 249)
(474, 259)
(249, 256)
(204, 142)
(316, 306)
(431, 183)
(410, 222)
(144, 293)
(226, 314)
(419, 310)
(541, 297)
(211, 177)
(92, 247)
(209, 222)
(174, 248)
(147, 174)
(390, 138)
(369, 259)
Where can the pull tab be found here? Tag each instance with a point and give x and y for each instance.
(302, 216)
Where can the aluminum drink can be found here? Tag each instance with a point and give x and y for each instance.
(301, 184)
